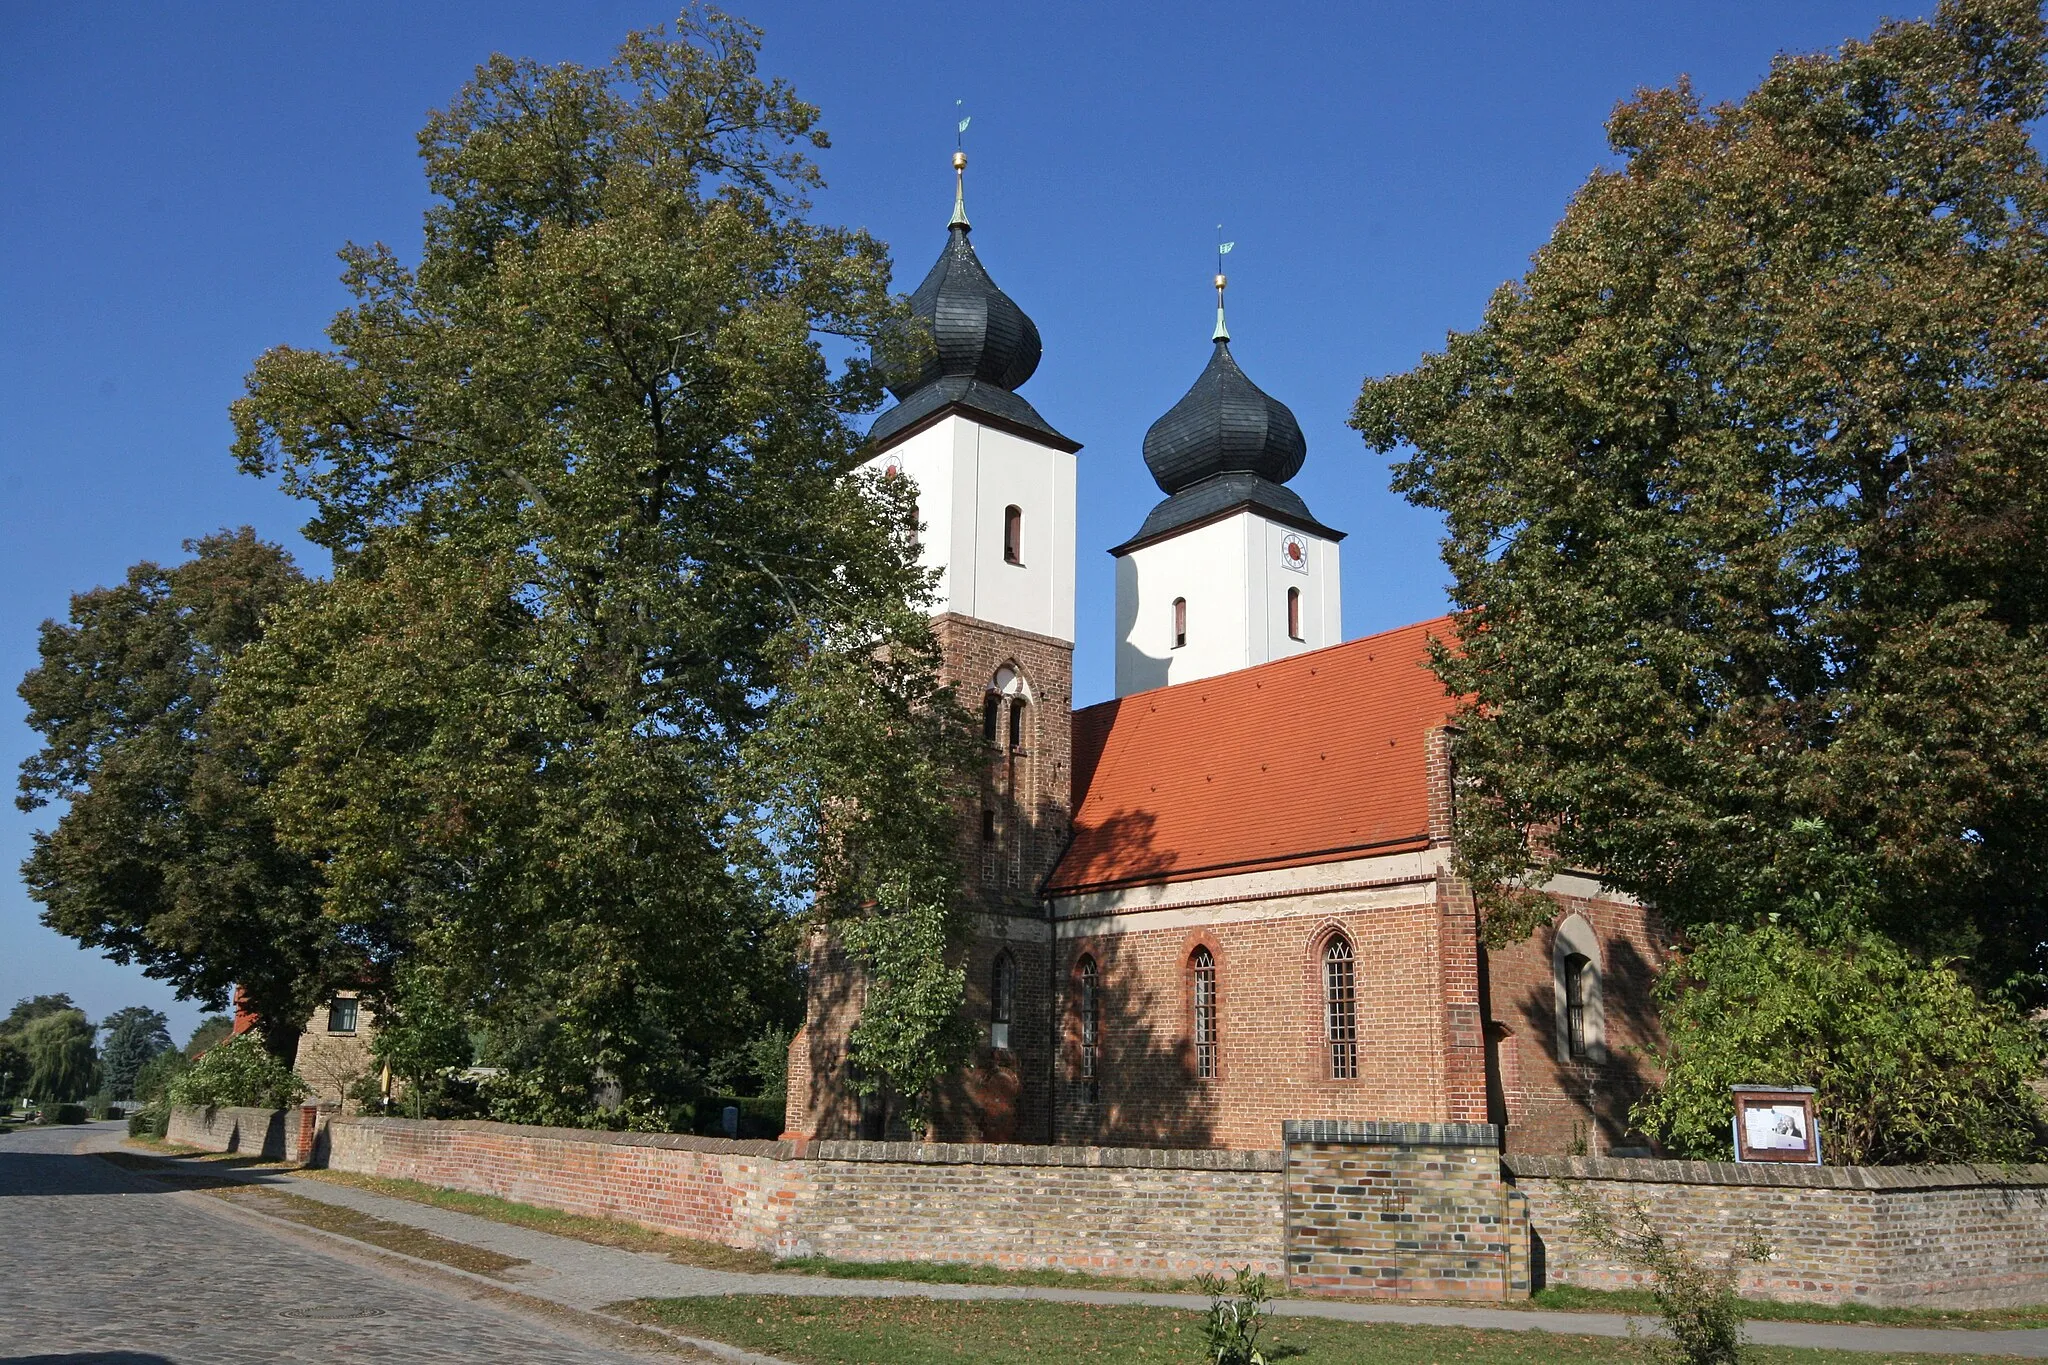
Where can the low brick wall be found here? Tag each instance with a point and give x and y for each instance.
(1423, 1210)
(1952, 1236)
(257, 1132)
(1108, 1210)
(1403, 1210)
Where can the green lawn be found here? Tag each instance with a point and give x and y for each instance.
(916, 1331)
(1642, 1302)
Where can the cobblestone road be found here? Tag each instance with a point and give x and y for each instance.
(96, 1266)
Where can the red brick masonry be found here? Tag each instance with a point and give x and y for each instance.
(1952, 1236)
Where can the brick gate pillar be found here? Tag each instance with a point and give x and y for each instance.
(1402, 1211)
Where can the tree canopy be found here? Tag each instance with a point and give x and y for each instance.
(165, 855)
(622, 663)
(62, 1065)
(135, 1035)
(1745, 485)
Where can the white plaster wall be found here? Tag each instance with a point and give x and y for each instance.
(1234, 579)
(967, 475)
(1207, 566)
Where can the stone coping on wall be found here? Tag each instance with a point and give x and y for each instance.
(927, 1153)
(1354, 1132)
(1650, 1171)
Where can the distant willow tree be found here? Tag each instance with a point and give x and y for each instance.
(1746, 485)
(622, 662)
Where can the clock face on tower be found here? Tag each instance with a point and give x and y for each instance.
(1294, 553)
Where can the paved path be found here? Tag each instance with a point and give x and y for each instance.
(97, 1265)
(582, 1276)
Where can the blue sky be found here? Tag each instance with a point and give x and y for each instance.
(179, 178)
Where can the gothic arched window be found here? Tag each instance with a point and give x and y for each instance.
(1340, 1008)
(1089, 989)
(1002, 999)
(1202, 971)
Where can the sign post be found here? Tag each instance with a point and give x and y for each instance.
(1776, 1123)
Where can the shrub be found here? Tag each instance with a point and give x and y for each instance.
(1699, 1302)
(1237, 1310)
(238, 1071)
(64, 1113)
(1909, 1063)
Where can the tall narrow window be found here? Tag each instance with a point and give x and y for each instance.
(1340, 1008)
(1202, 967)
(1091, 1029)
(1576, 969)
(1002, 999)
(1180, 622)
(1016, 722)
(1013, 535)
(991, 716)
(1294, 613)
(988, 848)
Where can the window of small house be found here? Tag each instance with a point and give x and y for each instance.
(341, 1014)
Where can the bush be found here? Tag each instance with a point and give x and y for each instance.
(1237, 1310)
(1701, 1308)
(238, 1072)
(64, 1113)
(1910, 1064)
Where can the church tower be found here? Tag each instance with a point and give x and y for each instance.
(1231, 569)
(995, 485)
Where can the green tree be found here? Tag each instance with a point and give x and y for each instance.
(134, 1036)
(13, 1070)
(164, 855)
(1909, 1064)
(214, 1028)
(237, 1071)
(154, 1079)
(604, 571)
(31, 1008)
(62, 1064)
(1746, 484)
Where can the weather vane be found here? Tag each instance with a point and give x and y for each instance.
(1222, 250)
(960, 169)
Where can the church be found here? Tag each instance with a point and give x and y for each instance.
(1225, 898)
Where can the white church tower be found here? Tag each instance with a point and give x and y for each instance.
(995, 482)
(1230, 570)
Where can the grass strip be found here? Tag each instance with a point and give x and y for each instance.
(609, 1232)
(344, 1222)
(1642, 1303)
(947, 1272)
(918, 1331)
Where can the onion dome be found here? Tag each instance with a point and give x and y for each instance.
(1224, 425)
(1225, 446)
(984, 347)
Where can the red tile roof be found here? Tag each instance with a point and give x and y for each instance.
(1302, 760)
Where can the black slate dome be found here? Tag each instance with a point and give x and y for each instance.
(980, 333)
(983, 348)
(1224, 425)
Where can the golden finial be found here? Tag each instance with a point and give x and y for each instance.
(960, 171)
(1222, 332)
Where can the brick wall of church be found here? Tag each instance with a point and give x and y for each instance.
(1273, 1058)
(1024, 801)
(1551, 1105)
